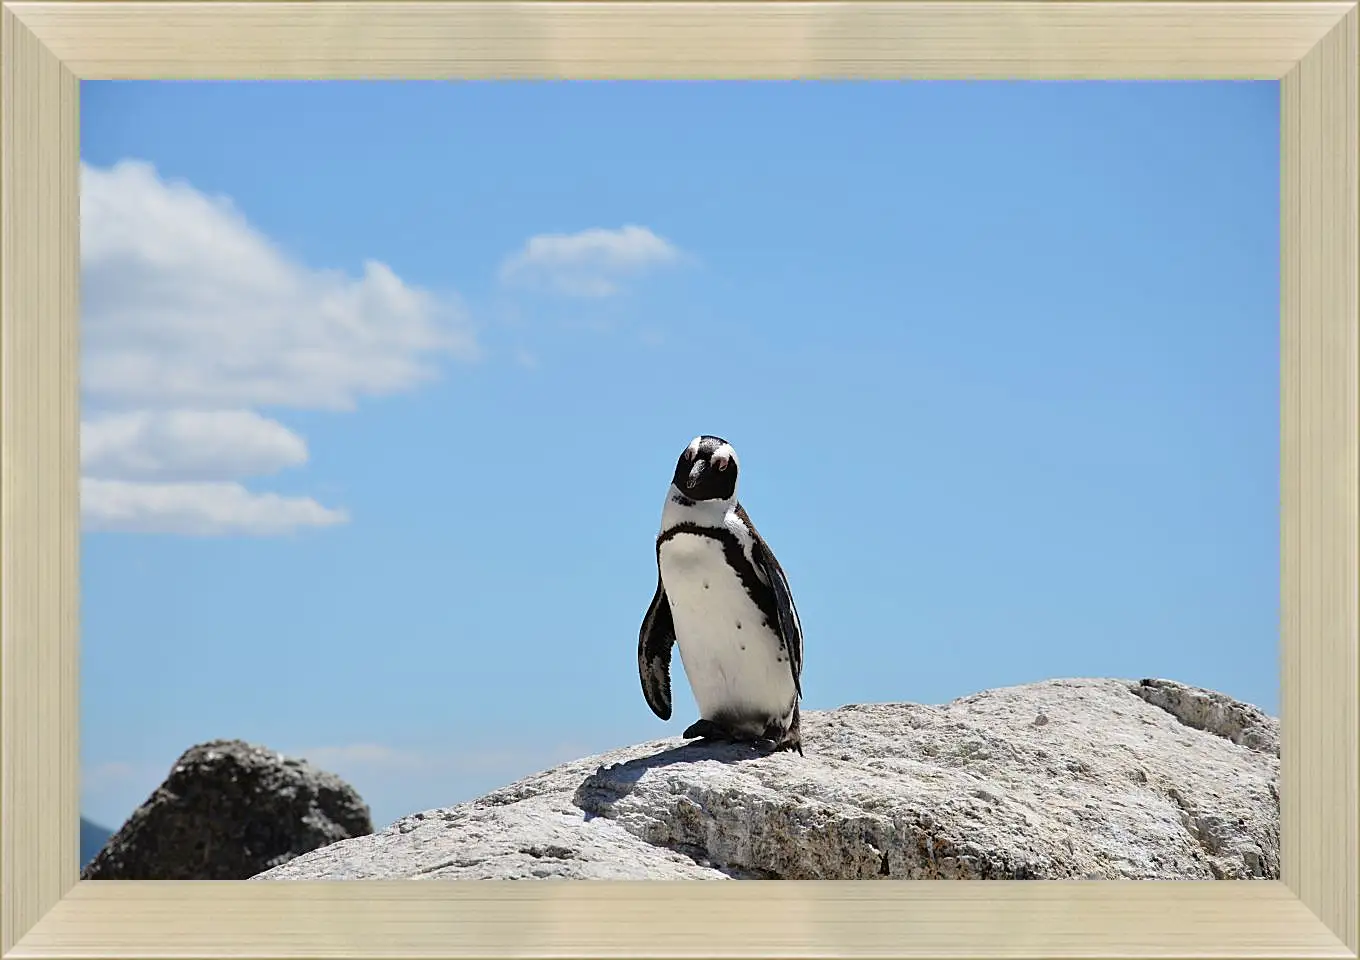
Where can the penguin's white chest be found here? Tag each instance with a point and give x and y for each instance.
(732, 659)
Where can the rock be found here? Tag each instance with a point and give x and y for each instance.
(227, 811)
(1061, 779)
(1216, 713)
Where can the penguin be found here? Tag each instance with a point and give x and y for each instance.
(723, 599)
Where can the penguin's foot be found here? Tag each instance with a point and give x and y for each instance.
(773, 739)
(707, 730)
(780, 740)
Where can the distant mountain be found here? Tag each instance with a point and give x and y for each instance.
(92, 840)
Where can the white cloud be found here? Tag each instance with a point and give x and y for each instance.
(104, 775)
(366, 756)
(187, 445)
(185, 303)
(591, 263)
(197, 509)
(509, 759)
(190, 317)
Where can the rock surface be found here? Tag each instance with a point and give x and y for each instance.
(1061, 779)
(227, 811)
(1217, 713)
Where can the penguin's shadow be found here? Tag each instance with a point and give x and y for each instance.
(598, 792)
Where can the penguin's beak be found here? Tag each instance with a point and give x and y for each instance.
(695, 472)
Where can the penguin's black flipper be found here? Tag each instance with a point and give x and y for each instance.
(790, 628)
(655, 640)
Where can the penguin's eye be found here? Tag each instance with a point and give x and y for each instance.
(722, 463)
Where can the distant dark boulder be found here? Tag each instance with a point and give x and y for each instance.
(227, 811)
(92, 840)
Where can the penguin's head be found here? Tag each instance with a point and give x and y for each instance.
(707, 470)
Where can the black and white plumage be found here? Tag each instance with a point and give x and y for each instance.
(722, 598)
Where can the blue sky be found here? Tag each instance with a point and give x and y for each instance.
(384, 383)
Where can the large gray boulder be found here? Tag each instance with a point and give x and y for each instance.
(228, 810)
(1061, 779)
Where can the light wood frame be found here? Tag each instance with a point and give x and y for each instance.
(1311, 48)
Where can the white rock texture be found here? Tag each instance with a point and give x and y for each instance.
(1081, 778)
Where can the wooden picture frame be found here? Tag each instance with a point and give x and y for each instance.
(1311, 48)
